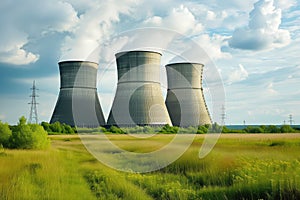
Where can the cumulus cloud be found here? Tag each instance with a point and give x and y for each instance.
(180, 19)
(95, 26)
(285, 4)
(212, 45)
(22, 22)
(263, 30)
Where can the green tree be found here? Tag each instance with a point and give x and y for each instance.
(56, 127)
(39, 137)
(169, 129)
(46, 126)
(272, 129)
(68, 129)
(225, 130)
(5, 134)
(202, 129)
(287, 129)
(251, 129)
(114, 129)
(148, 129)
(29, 136)
(215, 128)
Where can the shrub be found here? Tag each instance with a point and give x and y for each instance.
(286, 129)
(251, 129)
(5, 134)
(169, 129)
(46, 126)
(202, 129)
(271, 129)
(29, 136)
(215, 128)
(56, 127)
(59, 128)
(114, 129)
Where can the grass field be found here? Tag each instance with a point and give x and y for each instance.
(241, 166)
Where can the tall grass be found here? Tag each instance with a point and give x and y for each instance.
(239, 167)
(26, 174)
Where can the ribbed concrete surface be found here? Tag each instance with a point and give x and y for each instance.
(185, 100)
(78, 103)
(138, 99)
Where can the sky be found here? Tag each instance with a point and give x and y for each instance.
(254, 45)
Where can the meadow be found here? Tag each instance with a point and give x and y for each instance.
(241, 166)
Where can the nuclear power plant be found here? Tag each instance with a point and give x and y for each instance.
(78, 103)
(138, 100)
(185, 99)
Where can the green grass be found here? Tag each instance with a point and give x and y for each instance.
(239, 167)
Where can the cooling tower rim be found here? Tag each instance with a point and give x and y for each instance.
(77, 61)
(181, 63)
(144, 51)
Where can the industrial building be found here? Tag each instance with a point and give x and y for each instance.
(138, 99)
(185, 99)
(78, 103)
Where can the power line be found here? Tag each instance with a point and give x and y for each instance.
(223, 115)
(33, 116)
(291, 121)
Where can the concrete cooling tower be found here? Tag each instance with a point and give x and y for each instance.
(138, 100)
(185, 100)
(78, 103)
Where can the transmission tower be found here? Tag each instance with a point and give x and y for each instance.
(223, 115)
(33, 117)
(291, 119)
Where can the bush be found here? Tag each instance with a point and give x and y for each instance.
(202, 129)
(169, 129)
(58, 128)
(28, 136)
(287, 129)
(215, 128)
(46, 126)
(114, 129)
(5, 134)
(251, 129)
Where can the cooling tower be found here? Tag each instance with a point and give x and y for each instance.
(185, 100)
(138, 100)
(78, 103)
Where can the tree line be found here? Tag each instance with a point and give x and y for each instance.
(34, 136)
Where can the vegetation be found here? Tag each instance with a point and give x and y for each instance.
(261, 166)
(167, 129)
(23, 136)
(5, 134)
(263, 129)
(58, 128)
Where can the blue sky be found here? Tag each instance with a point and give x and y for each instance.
(254, 44)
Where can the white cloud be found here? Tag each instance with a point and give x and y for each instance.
(238, 74)
(263, 30)
(212, 45)
(14, 53)
(180, 19)
(285, 4)
(22, 22)
(271, 90)
(94, 27)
